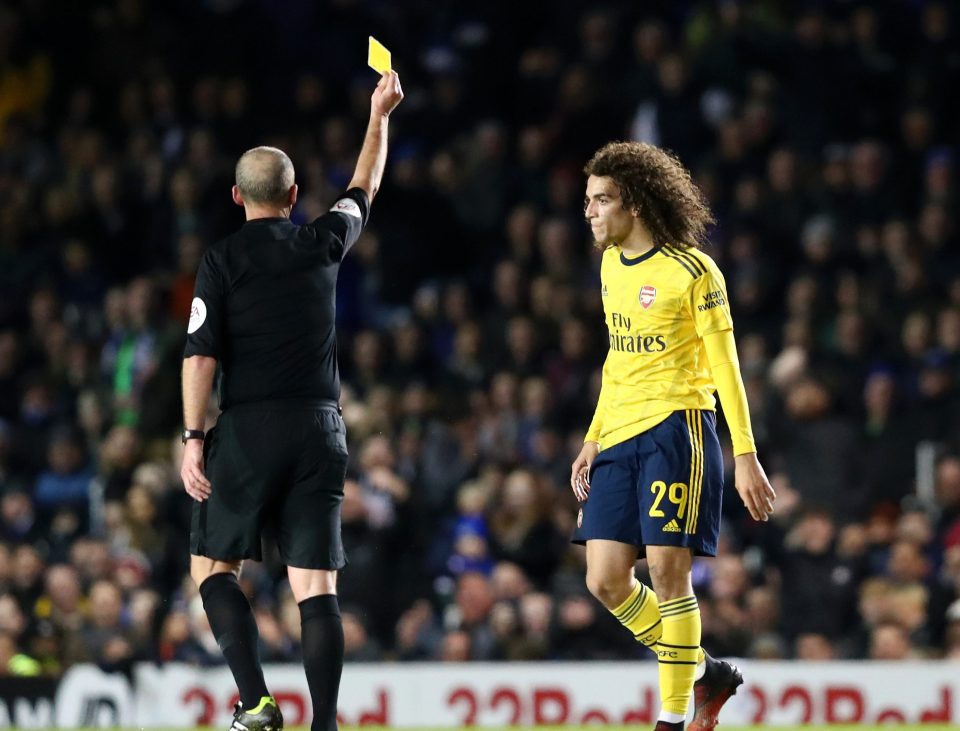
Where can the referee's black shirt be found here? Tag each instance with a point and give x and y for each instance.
(264, 305)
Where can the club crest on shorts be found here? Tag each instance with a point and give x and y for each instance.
(580, 518)
(647, 295)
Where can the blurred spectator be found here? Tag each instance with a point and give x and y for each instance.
(471, 325)
(456, 646)
(890, 641)
(18, 517)
(63, 609)
(26, 577)
(118, 457)
(947, 488)
(106, 639)
(469, 614)
(13, 662)
(358, 646)
(522, 529)
(417, 636)
(275, 644)
(812, 646)
(885, 457)
(952, 644)
(471, 550)
(817, 584)
(816, 449)
(67, 478)
(582, 629)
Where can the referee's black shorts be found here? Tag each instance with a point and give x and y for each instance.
(278, 465)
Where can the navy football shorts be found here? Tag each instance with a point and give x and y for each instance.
(660, 488)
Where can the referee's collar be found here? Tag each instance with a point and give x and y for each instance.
(271, 219)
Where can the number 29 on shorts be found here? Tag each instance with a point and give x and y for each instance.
(677, 494)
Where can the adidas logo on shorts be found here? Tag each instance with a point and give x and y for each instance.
(671, 527)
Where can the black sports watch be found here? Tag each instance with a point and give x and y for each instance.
(187, 434)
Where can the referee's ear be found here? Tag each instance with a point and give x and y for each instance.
(292, 195)
(235, 194)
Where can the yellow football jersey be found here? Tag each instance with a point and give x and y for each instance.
(658, 307)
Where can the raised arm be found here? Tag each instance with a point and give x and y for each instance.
(373, 154)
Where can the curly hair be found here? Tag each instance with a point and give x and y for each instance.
(655, 183)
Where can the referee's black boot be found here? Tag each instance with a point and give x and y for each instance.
(265, 717)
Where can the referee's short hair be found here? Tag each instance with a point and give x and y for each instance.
(264, 175)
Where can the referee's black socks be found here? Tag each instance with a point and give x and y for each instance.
(321, 638)
(235, 628)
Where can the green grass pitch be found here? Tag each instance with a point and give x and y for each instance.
(889, 727)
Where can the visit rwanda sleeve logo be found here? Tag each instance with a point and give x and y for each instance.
(647, 295)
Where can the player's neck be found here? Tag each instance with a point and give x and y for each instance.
(637, 243)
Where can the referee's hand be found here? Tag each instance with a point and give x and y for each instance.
(387, 94)
(191, 472)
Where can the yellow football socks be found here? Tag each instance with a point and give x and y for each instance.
(672, 630)
(678, 652)
(640, 614)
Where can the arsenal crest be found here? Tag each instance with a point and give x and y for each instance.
(647, 295)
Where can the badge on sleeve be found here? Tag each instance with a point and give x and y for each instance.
(198, 313)
(348, 206)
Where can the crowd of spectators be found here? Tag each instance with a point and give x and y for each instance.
(826, 137)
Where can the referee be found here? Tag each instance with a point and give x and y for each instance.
(263, 309)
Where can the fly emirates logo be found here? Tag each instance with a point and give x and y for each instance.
(630, 343)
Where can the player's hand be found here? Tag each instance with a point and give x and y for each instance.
(580, 470)
(754, 487)
(387, 95)
(191, 471)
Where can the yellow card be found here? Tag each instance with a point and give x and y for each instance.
(378, 57)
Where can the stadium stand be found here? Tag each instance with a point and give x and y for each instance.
(826, 137)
